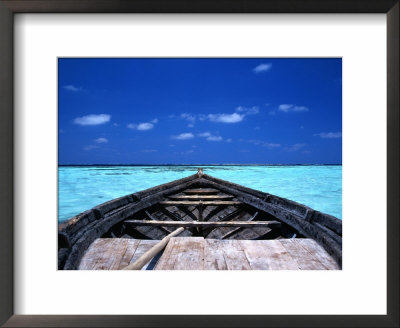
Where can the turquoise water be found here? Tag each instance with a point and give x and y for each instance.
(81, 188)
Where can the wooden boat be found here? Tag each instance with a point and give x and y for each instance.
(212, 214)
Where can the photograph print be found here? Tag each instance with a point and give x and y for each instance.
(200, 163)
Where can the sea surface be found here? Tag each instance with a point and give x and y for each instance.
(83, 187)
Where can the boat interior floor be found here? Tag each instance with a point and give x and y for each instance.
(198, 253)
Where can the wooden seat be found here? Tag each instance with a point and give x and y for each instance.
(203, 191)
(196, 203)
(201, 197)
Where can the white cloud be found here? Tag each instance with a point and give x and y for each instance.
(209, 136)
(101, 140)
(149, 150)
(189, 117)
(300, 109)
(271, 145)
(294, 147)
(204, 134)
(329, 135)
(228, 140)
(184, 136)
(268, 145)
(214, 138)
(286, 108)
(71, 87)
(226, 118)
(262, 68)
(143, 126)
(248, 110)
(90, 147)
(93, 119)
(236, 117)
(239, 114)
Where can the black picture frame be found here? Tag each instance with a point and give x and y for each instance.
(10, 7)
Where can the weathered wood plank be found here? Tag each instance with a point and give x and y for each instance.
(89, 259)
(233, 231)
(213, 255)
(191, 254)
(235, 215)
(318, 252)
(189, 212)
(204, 191)
(196, 253)
(256, 254)
(154, 219)
(142, 248)
(149, 232)
(85, 236)
(212, 212)
(195, 203)
(270, 224)
(234, 255)
(152, 252)
(251, 233)
(106, 259)
(277, 255)
(108, 254)
(118, 252)
(201, 197)
(167, 259)
(183, 253)
(288, 211)
(305, 260)
(130, 251)
(168, 213)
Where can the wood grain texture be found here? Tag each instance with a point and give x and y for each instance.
(183, 253)
(196, 203)
(318, 253)
(270, 224)
(153, 251)
(197, 253)
(203, 191)
(201, 197)
(113, 253)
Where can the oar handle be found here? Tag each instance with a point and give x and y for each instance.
(146, 257)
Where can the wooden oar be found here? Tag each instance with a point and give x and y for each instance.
(146, 257)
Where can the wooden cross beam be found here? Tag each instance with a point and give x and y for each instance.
(196, 203)
(253, 224)
(201, 197)
(204, 191)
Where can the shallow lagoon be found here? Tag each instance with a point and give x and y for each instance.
(83, 187)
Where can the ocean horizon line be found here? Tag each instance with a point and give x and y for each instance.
(212, 164)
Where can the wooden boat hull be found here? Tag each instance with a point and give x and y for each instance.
(208, 207)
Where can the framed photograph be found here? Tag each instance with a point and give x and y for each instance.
(132, 125)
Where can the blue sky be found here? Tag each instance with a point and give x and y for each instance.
(200, 111)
